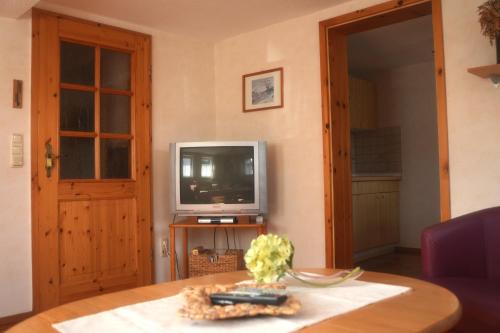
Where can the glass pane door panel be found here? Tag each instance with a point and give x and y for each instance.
(77, 64)
(77, 158)
(115, 158)
(115, 69)
(115, 113)
(77, 110)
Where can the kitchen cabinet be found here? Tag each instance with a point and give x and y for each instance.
(375, 213)
(362, 104)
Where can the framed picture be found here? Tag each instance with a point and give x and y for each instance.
(263, 90)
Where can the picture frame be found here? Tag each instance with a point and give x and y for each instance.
(263, 90)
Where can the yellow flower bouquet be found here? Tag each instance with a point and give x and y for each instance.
(270, 257)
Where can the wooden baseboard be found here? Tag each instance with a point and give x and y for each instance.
(373, 253)
(9, 321)
(407, 250)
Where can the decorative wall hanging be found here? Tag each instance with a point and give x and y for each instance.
(263, 90)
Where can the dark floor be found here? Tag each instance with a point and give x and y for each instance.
(394, 263)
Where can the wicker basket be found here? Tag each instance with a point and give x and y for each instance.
(215, 261)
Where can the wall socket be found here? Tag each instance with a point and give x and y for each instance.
(164, 247)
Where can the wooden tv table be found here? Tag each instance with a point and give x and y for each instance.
(191, 223)
(427, 308)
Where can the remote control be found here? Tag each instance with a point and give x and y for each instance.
(252, 296)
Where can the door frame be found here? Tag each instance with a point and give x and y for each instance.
(44, 95)
(335, 115)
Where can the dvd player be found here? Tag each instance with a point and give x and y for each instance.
(217, 219)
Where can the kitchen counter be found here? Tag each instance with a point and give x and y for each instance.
(366, 177)
(375, 210)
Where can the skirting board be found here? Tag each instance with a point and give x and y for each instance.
(371, 253)
(408, 250)
(9, 321)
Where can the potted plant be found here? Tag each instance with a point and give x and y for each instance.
(489, 18)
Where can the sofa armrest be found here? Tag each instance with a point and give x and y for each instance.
(454, 249)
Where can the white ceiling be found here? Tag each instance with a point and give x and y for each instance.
(210, 20)
(396, 45)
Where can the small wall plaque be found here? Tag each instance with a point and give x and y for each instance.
(17, 98)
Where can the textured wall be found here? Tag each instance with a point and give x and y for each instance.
(473, 111)
(295, 169)
(183, 110)
(407, 98)
(15, 192)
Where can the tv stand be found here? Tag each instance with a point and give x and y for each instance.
(244, 222)
(217, 219)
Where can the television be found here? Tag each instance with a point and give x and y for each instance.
(218, 178)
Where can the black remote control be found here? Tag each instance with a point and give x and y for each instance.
(252, 296)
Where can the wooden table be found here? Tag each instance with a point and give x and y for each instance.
(190, 223)
(427, 308)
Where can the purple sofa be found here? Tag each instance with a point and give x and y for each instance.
(463, 255)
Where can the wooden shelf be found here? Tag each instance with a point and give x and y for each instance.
(244, 222)
(486, 72)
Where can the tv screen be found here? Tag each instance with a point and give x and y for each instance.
(218, 178)
(217, 175)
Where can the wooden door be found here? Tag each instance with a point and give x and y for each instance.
(91, 157)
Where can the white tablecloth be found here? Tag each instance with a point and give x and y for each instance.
(160, 315)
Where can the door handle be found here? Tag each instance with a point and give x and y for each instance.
(50, 158)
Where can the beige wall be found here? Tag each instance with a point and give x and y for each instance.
(406, 97)
(15, 192)
(473, 111)
(295, 171)
(183, 110)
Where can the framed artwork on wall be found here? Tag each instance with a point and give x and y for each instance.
(263, 90)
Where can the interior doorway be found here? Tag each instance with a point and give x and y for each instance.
(376, 201)
(394, 150)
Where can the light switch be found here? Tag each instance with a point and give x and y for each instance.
(16, 151)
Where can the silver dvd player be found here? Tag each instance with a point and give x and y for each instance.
(217, 219)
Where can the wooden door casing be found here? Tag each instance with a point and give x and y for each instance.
(334, 82)
(340, 167)
(89, 236)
